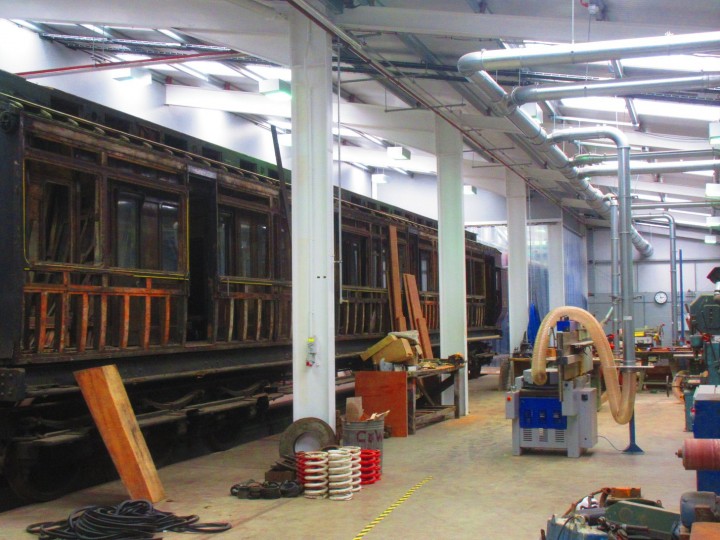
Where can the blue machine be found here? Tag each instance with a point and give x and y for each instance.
(561, 414)
(707, 426)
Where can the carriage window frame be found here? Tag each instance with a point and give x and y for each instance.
(155, 242)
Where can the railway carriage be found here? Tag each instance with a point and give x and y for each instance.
(130, 243)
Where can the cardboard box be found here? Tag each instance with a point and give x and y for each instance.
(396, 352)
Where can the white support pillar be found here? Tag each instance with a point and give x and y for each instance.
(313, 302)
(451, 252)
(517, 258)
(556, 265)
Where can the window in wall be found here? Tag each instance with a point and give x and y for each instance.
(354, 257)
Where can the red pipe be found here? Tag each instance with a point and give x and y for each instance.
(129, 63)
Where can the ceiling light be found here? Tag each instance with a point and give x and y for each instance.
(378, 178)
(170, 34)
(398, 152)
(712, 191)
(96, 29)
(712, 221)
(469, 190)
(714, 134)
(191, 71)
(133, 76)
(710, 239)
(276, 89)
(28, 25)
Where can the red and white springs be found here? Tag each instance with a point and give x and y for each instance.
(312, 472)
(370, 471)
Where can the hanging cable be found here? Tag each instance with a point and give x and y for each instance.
(339, 257)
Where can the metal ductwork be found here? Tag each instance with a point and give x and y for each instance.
(613, 87)
(592, 159)
(496, 99)
(653, 168)
(625, 229)
(665, 216)
(579, 53)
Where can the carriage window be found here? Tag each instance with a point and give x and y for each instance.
(60, 214)
(169, 226)
(57, 223)
(147, 233)
(128, 210)
(253, 245)
(424, 270)
(353, 256)
(224, 235)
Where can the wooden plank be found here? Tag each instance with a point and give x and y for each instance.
(382, 391)
(395, 296)
(61, 321)
(416, 314)
(147, 323)
(102, 332)
(110, 407)
(705, 530)
(230, 319)
(41, 322)
(124, 321)
(165, 321)
(258, 320)
(82, 326)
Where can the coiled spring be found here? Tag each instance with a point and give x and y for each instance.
(355, 460)
(340, 475)
(313, 473)
(370, 471)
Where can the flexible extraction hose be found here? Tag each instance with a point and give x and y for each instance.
(622, 403)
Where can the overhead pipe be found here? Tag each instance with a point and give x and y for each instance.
(673, 267)
(625, 223)
(653, 168)
(613, 87)
(592, 159)
(595, 51)
(495, 97)
(629, 103)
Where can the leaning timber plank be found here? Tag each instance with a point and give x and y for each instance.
(398, 318)
(110, 407)
(416, 314)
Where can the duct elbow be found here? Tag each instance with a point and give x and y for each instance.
(470, 63)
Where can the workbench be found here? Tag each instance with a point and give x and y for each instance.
(400, 391)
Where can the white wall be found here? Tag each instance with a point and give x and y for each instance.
(653, 274)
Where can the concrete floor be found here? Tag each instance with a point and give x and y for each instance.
(477, 490)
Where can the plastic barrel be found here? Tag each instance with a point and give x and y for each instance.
(368, 435)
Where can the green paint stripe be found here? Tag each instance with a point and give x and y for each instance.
(389, 510)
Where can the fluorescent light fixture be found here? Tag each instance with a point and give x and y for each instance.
(712, 191)
(712, 221)
(469, 190)
(96, 29)
(709, 173)
(378, 178)
(276, 89)
(398, 152)
(710, 239)
(170, 34)
(714, 134)
(270, 72)
(191, 71)
(28, 25)
(133, 76)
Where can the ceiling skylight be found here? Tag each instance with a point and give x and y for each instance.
(685, 111)
(270, 72)
(213, 68)
(677, 62)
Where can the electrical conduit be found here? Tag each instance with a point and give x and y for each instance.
(622, 400)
